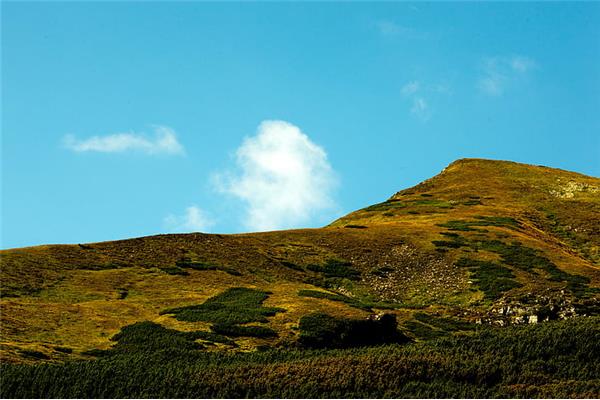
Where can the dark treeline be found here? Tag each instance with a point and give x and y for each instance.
(554, 359)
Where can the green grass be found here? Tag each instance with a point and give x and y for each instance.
(528, 259)
(148, 337)
(385, 206)
(491, 278)
(317, 294)
(468, 225)
(422, 331)
(204, 266)
(174, 271)
(248, 330)
(431, 203)
(495, 278)
(336, 269)
(233, 306)
(360, 303)
(445, 323)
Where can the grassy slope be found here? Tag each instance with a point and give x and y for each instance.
(79, 296)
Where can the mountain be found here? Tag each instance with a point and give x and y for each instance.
(482, 245)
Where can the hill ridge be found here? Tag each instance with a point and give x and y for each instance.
(475, 243)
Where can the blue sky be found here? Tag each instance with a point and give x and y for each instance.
(129, 119)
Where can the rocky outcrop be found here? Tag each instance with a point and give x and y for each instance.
(532, 309)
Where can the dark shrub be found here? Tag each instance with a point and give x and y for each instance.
(321, 330)
(249, 330)
(336, 269)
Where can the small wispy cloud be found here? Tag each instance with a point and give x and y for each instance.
(164, 142)
(410, 88)
(390, 29)
(499, 73)
(420, 108)
(282, 176)
(415, 92)
(193, 220)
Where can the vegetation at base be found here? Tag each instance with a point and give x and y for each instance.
(491, 278)
(319, 330)
(233, 306)
(336, 269)
(550, 360)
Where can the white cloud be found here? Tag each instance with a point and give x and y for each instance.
(284, 178)
(522, 64)
(164, 142)
(410, 88)
(194, 220)
(492, 84)
(420, 108)
(499, 73)
(390, 28)
(415, 92)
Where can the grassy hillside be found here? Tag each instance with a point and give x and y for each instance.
(484, 243)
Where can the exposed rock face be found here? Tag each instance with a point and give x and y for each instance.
(405, 272)
(571, 188)
(532, 309)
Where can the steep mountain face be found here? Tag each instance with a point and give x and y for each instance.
(489, 242)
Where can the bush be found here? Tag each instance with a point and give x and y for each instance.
(34, 354)
(491, 278)
(66, 350)
(320, 330)
(250, 330)
(204, 266)
(317, 294)
(463, 225)
(174, 271)
(336, 269)
(233, 306)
